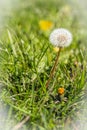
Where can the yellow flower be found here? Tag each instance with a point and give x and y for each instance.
(45, 25)
(56, 49)
(61, 91)
(76, 63)
(66, 10)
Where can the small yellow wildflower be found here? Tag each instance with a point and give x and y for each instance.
(76, 63)
(56, 49)
(45, 25)
(67, 8)
(61, 90)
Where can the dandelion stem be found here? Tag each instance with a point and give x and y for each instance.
(53, 68)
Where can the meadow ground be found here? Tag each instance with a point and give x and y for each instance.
(26, 58)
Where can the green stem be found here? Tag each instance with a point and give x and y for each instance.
(53, 68)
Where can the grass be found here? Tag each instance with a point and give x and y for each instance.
(26, 60)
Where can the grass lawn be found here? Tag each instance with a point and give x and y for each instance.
(26, 59)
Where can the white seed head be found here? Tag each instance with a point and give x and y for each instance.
(61, 37)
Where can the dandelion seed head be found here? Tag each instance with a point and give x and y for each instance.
(60, 37)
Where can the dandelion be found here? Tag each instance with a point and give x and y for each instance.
(45, 25)
(61, 90)
(59, 38)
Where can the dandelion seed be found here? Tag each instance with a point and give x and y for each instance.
(61, 91)
(45, 25)
(61, 37)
